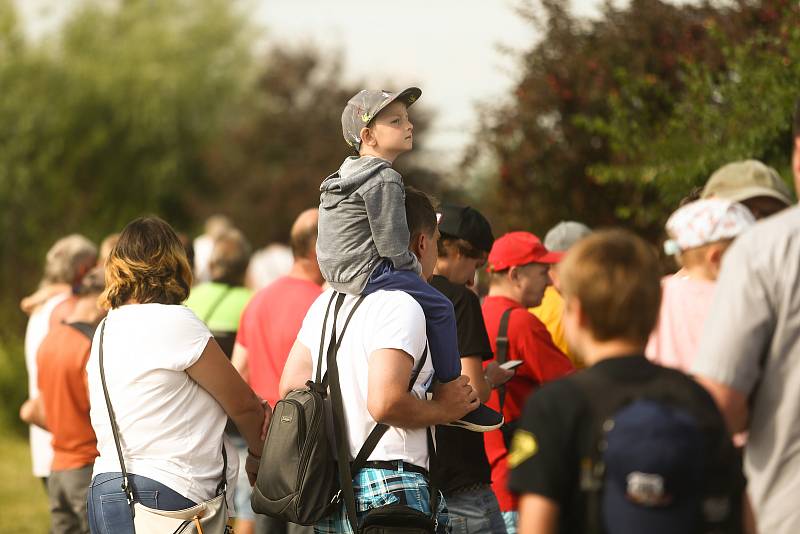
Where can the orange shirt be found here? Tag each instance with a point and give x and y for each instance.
(61, 361)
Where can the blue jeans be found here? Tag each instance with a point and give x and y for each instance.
(243, 510)
(475, 512)
(109, 512)
(440, 317)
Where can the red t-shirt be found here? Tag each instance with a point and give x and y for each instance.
(61, 361)
(268, 328)
(528, 340)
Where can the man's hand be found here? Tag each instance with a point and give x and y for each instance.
(496, 375)
(456, 398)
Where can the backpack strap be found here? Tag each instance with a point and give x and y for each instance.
(380, 428)
(339, 426)
(319, 378)
(502, 352)
(602, 401)
(84, 328)
(216, 303)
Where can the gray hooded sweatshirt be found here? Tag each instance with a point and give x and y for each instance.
(362, 219)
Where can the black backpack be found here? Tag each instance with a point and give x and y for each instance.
(719, 485)
(297, 477)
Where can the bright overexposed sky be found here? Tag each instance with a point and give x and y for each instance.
(451, 49)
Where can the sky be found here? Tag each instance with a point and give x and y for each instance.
(451, 49)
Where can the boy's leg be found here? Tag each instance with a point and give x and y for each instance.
(440, 317)
(440, 321)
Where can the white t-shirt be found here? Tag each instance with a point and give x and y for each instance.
(203, 246)
(385, 320)
(38, 326)
(171, 429)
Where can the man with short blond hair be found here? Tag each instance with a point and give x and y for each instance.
(624, 446)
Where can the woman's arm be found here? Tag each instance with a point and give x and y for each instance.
(216, 375)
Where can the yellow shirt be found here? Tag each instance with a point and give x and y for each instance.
(549, 312)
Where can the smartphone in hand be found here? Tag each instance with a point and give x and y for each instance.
(510, 365)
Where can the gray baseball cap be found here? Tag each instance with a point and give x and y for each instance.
(565, 234)
(742, 180)
(364, 106)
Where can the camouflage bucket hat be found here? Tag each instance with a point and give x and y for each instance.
(365, 105)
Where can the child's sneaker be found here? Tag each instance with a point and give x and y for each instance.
(481, 419)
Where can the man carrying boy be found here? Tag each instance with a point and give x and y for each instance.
(624, 446)
(362, 245)
(518, 267)
(382, 345)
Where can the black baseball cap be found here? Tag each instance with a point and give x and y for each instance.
(464, 222)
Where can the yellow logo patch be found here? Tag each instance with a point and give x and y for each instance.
(523, 446)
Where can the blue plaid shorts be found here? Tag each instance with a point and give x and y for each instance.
(378, 487)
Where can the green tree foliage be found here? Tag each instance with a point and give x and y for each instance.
(162, 107)
(107, 120)
(99, 123)
(739, 110)
(548, 144)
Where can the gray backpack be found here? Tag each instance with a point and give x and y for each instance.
(297, 478)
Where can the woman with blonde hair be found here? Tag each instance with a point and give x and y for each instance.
(170, 388)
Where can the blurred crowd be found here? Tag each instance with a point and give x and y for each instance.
(628, 401)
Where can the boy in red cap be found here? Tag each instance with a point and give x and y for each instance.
(518, 265)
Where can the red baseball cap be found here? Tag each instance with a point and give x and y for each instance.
(519, 248)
